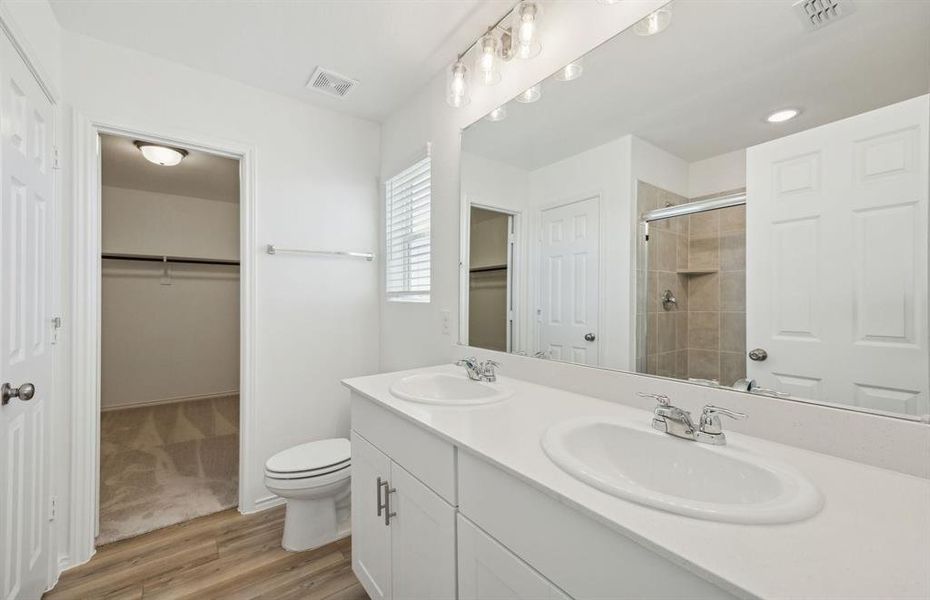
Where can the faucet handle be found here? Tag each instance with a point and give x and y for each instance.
(710, 421)
(662, 399)
(468, 361)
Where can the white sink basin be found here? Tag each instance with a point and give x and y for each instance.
(717, 483)
(448, 389)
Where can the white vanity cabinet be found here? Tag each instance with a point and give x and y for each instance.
(466, 529)
(403, 532)
(488, 571)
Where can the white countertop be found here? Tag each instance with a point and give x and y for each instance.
(870, 541)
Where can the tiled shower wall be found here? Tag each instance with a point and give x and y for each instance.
(701, 259)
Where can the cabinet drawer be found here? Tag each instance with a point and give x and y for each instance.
(427, 457)
(488, 571)
(576, 553)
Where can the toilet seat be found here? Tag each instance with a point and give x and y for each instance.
(325, 461)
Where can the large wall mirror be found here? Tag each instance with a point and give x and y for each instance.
(737, 200)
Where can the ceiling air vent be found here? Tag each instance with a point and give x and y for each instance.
(819, 13)
(330, 82)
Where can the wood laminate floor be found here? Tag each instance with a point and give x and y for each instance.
(224, 556)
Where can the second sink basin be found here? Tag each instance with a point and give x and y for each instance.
(718, 483)
(447, 389)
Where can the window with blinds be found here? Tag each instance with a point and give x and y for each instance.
(407, 219)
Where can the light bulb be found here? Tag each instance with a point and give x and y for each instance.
(457, 87)
(498, 114)
(161, 155)
(572, 70)
(654, 23)
(527, 27)
(531, 95)
(781, 116)
(487, 65)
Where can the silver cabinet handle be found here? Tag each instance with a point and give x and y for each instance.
(387, 503)
(381, 506)
(24, 392)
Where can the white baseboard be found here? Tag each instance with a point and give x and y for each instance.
(263, 503)
(160, 401)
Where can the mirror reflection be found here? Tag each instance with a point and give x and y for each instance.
(758, 222)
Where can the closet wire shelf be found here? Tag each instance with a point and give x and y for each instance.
(189, 260)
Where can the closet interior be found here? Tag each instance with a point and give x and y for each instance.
(169, 392)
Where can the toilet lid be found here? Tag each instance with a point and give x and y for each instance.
(310, 456)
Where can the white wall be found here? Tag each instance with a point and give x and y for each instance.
(717, 174)
(175, 338)
(316, 174)
(411, 334)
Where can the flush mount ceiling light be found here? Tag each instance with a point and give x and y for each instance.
(531, 95)
(487, 65)
(457, 85)
(498, 114)
(572, 70)
(526, 24)
(780, 116)
(655, 23)
(161, 155)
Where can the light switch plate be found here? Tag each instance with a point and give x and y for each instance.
(446, 319)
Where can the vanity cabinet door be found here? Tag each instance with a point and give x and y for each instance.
(488, 571)
(371, 538)
(422, 540)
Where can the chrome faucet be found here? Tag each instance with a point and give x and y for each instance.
(479, 371)
(677, 422)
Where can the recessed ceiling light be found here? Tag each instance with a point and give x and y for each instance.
(531, 95)
(161, 155)
(498, 114)
(780, 116)
(572, 70)
(654, 23)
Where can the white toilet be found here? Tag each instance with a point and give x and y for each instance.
(313, 478)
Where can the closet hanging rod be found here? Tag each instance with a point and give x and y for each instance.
(272, 249)
(169, 259)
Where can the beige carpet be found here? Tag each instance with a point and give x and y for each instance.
(166, 464)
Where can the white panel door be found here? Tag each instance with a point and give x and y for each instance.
(568, 282)
(371, 537)
(837, 240)
(488, 571)
(26, 197)
(422, 540)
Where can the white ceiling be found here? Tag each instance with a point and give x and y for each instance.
(391, 47)
(704, 86)
(199, 175)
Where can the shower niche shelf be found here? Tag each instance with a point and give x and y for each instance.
(697, 271)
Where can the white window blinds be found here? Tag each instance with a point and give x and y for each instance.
(407, 219)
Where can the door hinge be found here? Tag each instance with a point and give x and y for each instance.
(56, 158)
(56, 328)
(52, 506)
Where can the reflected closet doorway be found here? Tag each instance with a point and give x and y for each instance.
(490, 279)
(170, 314)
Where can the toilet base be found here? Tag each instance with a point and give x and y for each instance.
(309, 524)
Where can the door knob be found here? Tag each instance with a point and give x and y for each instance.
(24, 392)
(758, 354)
(589, 337)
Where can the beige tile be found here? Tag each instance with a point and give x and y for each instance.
(683, 281)
(704, 364)
(705, 224)
(652, 335)
(668, 332)
(652, 291)
(704, 292)
(681, 371)
(669, 281)
(682, 329)
(704, 330)
(733, 332)
(732, 367)
(663, 252)
(704, 253)
(733, 251)
(733, 291)
(668, 364)
(683, 252)
(652, 364)
(733, 218)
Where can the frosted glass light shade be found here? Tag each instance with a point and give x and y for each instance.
(526, 28)
(161, 155)
(457, 85)
(487, 64)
